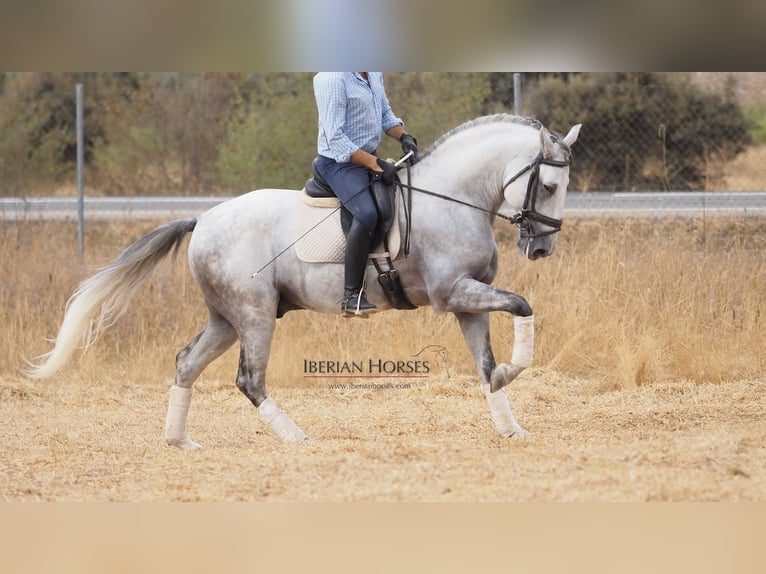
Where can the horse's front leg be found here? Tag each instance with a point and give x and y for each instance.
(471, 296)
(475, 327)
(471, 301)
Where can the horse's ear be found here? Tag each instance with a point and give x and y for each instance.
(571, 137)
(546, 143)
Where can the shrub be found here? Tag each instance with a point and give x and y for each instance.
(643, 131)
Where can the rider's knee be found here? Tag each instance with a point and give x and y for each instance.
(368, 217)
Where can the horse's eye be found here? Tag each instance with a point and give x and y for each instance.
(551, 187)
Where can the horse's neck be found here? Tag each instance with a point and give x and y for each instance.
(474, 166)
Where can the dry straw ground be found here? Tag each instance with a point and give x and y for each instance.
(649, 382)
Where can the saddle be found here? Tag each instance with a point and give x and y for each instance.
(318, 189)
(386, 243)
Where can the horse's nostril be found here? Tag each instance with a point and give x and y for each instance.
(538, 253)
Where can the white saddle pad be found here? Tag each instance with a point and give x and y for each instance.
(319, 236)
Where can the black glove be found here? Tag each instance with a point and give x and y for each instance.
(410, 144)
(389, 172)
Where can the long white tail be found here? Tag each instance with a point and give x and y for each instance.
(102, 298)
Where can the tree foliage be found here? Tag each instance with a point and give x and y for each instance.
(209, 133)
(643, 130)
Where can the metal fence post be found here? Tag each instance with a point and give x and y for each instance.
(517, 93)
(80, 168)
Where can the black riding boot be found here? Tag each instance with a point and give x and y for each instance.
(358, 245)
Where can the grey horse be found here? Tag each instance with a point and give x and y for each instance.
(493, 166)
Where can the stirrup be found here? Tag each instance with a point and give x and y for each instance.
(356, 305)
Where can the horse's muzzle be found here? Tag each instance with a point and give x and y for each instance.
(536, 247)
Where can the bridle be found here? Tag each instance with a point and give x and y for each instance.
(522, 220)
(528, 214)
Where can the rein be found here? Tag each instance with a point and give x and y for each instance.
(523, 219)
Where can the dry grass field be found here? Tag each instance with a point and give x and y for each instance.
(649, 383)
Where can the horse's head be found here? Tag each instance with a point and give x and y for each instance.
(539, 197)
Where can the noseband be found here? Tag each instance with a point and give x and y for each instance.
(528, 214)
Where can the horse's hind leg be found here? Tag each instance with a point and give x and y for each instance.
(251, 379)
(475, 327)
(217, 336)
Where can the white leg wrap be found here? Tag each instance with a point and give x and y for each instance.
(175, 423)
(523, 341)
(502, 414)
(279, 422)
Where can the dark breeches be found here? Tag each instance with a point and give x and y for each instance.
(351, 183)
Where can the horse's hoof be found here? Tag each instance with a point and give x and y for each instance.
(518, 434)
(297, 440)
(185, 444)
(503, 375)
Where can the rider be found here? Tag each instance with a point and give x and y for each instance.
(353, 114)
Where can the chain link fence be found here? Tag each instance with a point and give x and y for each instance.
(659, 132)
(228, 133)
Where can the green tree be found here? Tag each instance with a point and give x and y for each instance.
(37, 131)
(270, 139)
(168, 137)
(501, 92)
(432, 103)
(38, 124)
(642, 131)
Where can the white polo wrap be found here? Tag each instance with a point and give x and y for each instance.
(175, 422)
(501, 412)
(523, 341)
(279, 422)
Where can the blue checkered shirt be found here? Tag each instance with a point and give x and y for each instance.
(352, 113)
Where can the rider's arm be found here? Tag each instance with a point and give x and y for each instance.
(396, 132)
(368, 160)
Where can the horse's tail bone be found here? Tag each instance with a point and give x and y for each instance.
(102, 298)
